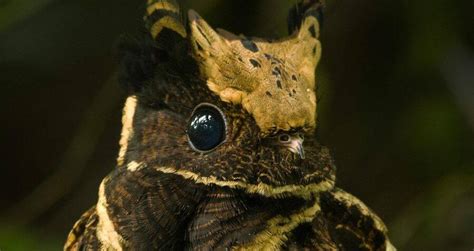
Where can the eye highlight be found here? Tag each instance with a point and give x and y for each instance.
(206, 128)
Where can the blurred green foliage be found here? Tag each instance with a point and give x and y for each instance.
(17, 239)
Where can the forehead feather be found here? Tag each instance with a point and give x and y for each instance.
(273, 81)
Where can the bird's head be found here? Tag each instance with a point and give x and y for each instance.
(222, 109)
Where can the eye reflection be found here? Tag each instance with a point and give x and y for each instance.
(206, 129)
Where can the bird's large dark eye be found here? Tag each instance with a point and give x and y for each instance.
(207, 128)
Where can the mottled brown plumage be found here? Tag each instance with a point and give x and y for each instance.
(254, 190)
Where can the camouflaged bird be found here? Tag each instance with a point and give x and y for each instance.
(212, 153)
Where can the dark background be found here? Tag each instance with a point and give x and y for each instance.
(396, 84)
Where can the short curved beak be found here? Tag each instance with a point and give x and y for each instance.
(296, 146)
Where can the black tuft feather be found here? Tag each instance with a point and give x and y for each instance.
(303, 9)
(138, 57)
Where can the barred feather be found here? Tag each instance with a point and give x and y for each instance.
(160, 15)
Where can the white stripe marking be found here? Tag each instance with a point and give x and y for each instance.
(108, 237)
(127, 127)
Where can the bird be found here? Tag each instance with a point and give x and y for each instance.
(218, 148)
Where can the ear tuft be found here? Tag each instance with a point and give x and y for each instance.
(204, 38)
(163, 15)
(309, 29)
(302, 11)
(165, 24)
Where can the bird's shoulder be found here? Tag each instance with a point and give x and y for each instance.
(82, 231)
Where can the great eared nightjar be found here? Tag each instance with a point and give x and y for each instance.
(218, 148)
